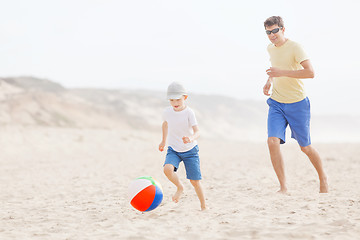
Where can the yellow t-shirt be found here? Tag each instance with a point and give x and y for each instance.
(288, 57)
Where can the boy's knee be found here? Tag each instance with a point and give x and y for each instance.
(168, 169)
(195, 183)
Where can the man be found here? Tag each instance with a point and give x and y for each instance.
(288, 103)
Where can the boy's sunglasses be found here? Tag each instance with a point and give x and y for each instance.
(275, 30)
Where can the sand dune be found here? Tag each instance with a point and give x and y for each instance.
(37, 102)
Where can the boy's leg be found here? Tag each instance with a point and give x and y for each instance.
(199, 192)
(173, 177)
(315, 159)
(277, 162)
(193, 173)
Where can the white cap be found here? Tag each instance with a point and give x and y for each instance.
(175, 91)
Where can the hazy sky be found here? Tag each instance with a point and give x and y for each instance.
(212, 47)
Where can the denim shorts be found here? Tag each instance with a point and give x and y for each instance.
(296, 115)
(191, 161)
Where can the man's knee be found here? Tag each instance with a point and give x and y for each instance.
(273, 141)
(307, 150)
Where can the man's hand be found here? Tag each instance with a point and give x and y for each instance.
(267, 87)
(275, 72)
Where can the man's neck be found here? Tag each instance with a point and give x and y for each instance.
(281, 43)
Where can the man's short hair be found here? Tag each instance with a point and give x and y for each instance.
(274, 20)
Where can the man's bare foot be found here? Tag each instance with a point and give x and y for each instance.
(178, 194)
(324, 187)
(203, 208)
(283, 190)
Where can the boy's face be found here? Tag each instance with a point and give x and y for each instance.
(178, 104)
(276, 38)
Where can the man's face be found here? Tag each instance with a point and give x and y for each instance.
(278, 37)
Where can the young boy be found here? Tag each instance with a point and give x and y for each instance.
(180, 130)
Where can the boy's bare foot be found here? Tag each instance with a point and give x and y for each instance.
(203, 208)
(178, 194)
(324, 187)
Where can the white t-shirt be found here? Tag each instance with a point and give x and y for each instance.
(180, 125)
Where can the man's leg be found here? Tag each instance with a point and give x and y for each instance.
(315, 159)
(277, 162)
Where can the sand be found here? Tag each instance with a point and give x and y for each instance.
(67, 183)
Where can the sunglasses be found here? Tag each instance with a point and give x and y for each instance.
(275, 30)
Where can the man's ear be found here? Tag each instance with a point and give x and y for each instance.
(185, 97)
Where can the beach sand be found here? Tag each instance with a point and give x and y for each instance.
(68, 183)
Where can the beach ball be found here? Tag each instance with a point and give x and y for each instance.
(145, 194)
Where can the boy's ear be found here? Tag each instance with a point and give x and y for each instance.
(185, 97)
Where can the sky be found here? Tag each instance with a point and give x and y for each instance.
(212, 47)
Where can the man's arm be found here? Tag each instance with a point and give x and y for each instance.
(307, 72)
(267, 86)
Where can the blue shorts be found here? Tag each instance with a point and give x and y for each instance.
(296, 115)
(191, 161)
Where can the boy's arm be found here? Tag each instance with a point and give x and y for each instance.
(307, 72)
(195, 136)
(164, 136)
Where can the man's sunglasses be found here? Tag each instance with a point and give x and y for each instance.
(275, 30)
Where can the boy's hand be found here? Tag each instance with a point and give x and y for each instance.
(186, 140)
(161, 146)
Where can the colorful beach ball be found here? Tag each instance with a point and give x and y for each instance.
(145, 194)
